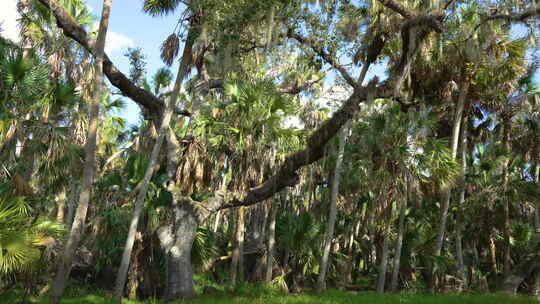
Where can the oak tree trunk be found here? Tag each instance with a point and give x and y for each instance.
(154, 158)
(177, 241)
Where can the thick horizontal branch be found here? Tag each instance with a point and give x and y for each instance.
(398, 8)
(217, 83)
(152, 105)
(324, 55)
(286, 175)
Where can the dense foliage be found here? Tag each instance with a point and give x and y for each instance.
(275, 153)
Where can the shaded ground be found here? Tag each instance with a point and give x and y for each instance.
(329, 297)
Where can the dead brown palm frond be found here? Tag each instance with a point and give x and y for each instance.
(21, 186)
(170, 49)
(195, 172)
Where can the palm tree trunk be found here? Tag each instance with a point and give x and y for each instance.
(163, 131)
(217, 221)
(64, 265)
(399, 240)
(71, 203)
(321, 281)
(506, 207)
(384, 260)
(272, 236)
(9, 136)
(350, 250)
(238, 251)
(464, 88)
(537, 211)
(61, 206)
(459, 218)
(493, 253)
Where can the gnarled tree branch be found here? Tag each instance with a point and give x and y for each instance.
(286, 175)
(517, 17)
(153, 106)
(324, 55)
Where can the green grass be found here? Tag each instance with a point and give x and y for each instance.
(328, 297)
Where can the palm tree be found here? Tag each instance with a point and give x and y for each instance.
(21, 239)
(395, 144)
(64, 265)
(321, 281)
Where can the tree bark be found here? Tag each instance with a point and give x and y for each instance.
(64, 265)
(163, 131)
(176, 238)
(321, 281)
(177, 244)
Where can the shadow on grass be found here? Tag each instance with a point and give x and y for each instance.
(271, 297)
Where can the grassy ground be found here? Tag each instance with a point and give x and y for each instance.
(329, 297)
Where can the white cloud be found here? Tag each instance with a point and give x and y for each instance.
(8, 20)
(116, 41)
(10, 29)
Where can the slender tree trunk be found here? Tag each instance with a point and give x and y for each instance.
(9, 136)
(321, 281)
(272, 236)
(454, 145)
(537, 211)
(71, 203)
(217, 221)
(238, 251)
(493, 253)
(61, 206)
(459, 217)
(351, 252)
(219, 214)
(507, 260)
(154, 157)
(64, 265)
(384, 260)
(399, 240)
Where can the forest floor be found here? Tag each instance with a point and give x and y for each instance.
(328, 297)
